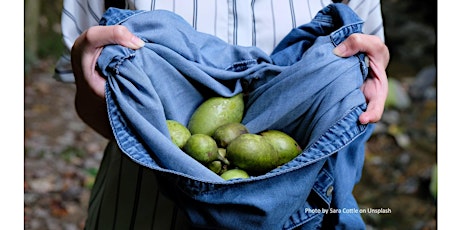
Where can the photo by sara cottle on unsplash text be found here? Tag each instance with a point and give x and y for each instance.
(349, 210)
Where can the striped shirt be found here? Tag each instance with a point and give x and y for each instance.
(261, 23)
(125, 195)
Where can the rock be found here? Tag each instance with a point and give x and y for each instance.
(423, 85)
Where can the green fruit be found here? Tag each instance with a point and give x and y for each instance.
(224, 134)
(202, 148)
(214, 112)
(234, 174)
(252, 153)
(222, 152)
(215, 166)
(284, 144)
(178, 132)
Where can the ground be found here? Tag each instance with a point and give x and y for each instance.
(61, 154)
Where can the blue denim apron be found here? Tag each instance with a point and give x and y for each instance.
(302, 88)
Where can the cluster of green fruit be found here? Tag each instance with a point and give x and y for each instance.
(216, 138)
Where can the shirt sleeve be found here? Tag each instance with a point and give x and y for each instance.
(371, 13)
(76, 17)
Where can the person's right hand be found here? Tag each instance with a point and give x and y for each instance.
(375, 87)
(90, 95)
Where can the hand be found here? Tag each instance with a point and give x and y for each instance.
(375, 87)
(90, 94)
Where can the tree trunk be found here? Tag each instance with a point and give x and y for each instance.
(31, 23)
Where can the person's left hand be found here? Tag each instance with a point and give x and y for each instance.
(375, 87)
(90, 85)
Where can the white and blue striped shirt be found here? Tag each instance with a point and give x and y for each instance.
(125, 194)
(261, 23)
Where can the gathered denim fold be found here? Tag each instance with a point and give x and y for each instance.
(301, 88)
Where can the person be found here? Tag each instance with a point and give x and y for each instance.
(125, 194)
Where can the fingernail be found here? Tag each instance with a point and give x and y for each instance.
(137, 41)
(340, 50)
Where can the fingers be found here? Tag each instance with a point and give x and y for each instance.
(373, 114)
(375, 92)
(87, 49)
(84, 55)
(372, 45)
(90, 93)
(375, 87)
(100, 36)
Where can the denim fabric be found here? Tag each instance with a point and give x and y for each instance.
(302, 88)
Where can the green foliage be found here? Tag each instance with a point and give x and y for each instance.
(90, 177)
(71, 152)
